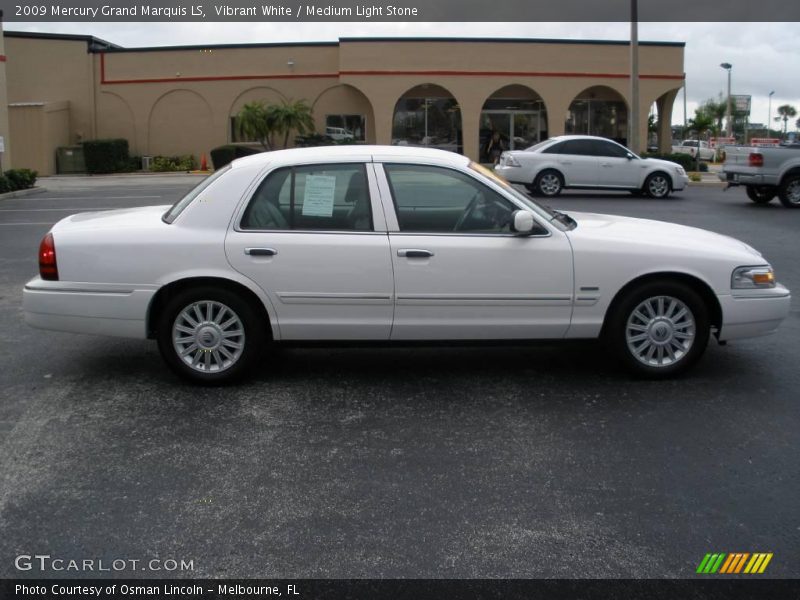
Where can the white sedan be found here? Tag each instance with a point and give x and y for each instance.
(387, 244)
(588, 162)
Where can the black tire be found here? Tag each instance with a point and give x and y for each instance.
(789, 191)
(622, 327)
(658, 185)
(210, 340)
(548, 183)
(761, 194)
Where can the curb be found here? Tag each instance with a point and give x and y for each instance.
(23, 193)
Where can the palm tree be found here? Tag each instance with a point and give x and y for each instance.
(256, 122)
(701, 124)
(717, 110)
(786, 112)
(292, 115)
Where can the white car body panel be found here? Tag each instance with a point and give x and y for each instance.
(354, 286)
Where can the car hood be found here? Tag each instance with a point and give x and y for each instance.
(659, 162)
(649, 233)
(123, 218)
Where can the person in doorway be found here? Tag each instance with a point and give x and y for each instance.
(495, 148)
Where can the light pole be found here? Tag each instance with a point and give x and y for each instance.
(633, 125)
(769, 115)
(728, 109)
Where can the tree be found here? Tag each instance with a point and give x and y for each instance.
(786, 112)
(701, 124)
(256, 122)
(292, 115)
(717, 110)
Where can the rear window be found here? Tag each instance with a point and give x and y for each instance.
(181, 204)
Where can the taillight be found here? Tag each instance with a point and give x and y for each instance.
(48, 269)
(756, 159)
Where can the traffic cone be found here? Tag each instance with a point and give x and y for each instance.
(203, 163)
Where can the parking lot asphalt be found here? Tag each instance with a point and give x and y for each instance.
(514, 461)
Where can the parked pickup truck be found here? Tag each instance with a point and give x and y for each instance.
(692, 147)
(765, 173)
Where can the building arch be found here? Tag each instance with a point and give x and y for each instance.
(428, 115)
(513, 115)
(599, 110)
(115, 119)
(180, 122)
(345, 107)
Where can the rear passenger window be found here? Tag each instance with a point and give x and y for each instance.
(554, 149)
(321, 197)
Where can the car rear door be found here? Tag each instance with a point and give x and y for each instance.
(616, 169)
(460, 273)
(314, 238)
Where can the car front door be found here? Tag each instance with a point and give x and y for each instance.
(460, 272)
(579, 164)
(615, 168)
(314, 239)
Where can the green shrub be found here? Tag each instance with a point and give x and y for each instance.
(184, 162)
(222, 155)
(5, 185)
(19, 179)
(106, 156)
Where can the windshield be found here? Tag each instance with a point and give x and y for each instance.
(181, 204)
(553, 216)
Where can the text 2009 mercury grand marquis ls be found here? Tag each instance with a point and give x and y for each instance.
(384, 244)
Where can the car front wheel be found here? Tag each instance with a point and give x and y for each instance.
(548, 183)
(658, 185)
(789, 193)
(210, 336)
(659, 329)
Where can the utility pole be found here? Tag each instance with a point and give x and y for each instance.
(633, 125)
(728, 108)
(769, 115)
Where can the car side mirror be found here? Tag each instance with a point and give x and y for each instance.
(629, 156)
(522, 222)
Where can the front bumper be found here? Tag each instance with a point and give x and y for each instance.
(98, 309)
(753, 313)
(512, 174)
(679, 182)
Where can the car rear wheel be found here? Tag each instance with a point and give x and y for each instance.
(659, 329)
(548, 183)
(761, 194)
(209, 335)
(789, 192)
(658, 185)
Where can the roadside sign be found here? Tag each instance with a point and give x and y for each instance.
(721, 141)
(765, 142)
(741, 103)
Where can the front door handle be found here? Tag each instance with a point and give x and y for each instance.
(260, 251)
(414, 253)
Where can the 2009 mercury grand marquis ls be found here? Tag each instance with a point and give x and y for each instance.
(391, 243)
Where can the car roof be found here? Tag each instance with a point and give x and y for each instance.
(352, 152)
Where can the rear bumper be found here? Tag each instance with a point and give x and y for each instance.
(739, 178)
(755, 314)
(98, 309)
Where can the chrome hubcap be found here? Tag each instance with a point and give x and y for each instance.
(793, 192)
(208, 336)
(658, 186)
(549, 184)
(660, 331)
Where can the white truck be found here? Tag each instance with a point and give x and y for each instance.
(695, 147)
(765, 173)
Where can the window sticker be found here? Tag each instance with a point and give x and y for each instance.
(318, 196)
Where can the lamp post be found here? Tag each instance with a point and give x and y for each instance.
(728, 109)
(769, 115)
(633, 125)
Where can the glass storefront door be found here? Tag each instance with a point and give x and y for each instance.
(509, 130)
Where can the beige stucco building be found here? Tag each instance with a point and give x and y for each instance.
(448, 93)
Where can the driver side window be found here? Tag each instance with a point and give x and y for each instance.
(437, 200)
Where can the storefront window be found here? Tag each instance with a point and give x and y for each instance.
(604, 118)
(351, 127)
(431, 122)
(514, 118)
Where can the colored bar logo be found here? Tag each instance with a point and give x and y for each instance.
(734, 563)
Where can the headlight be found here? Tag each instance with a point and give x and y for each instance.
(748, 278)
(508, 160)
(680, 170)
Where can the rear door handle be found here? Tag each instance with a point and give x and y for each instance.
(260, 251)
(414, 253)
